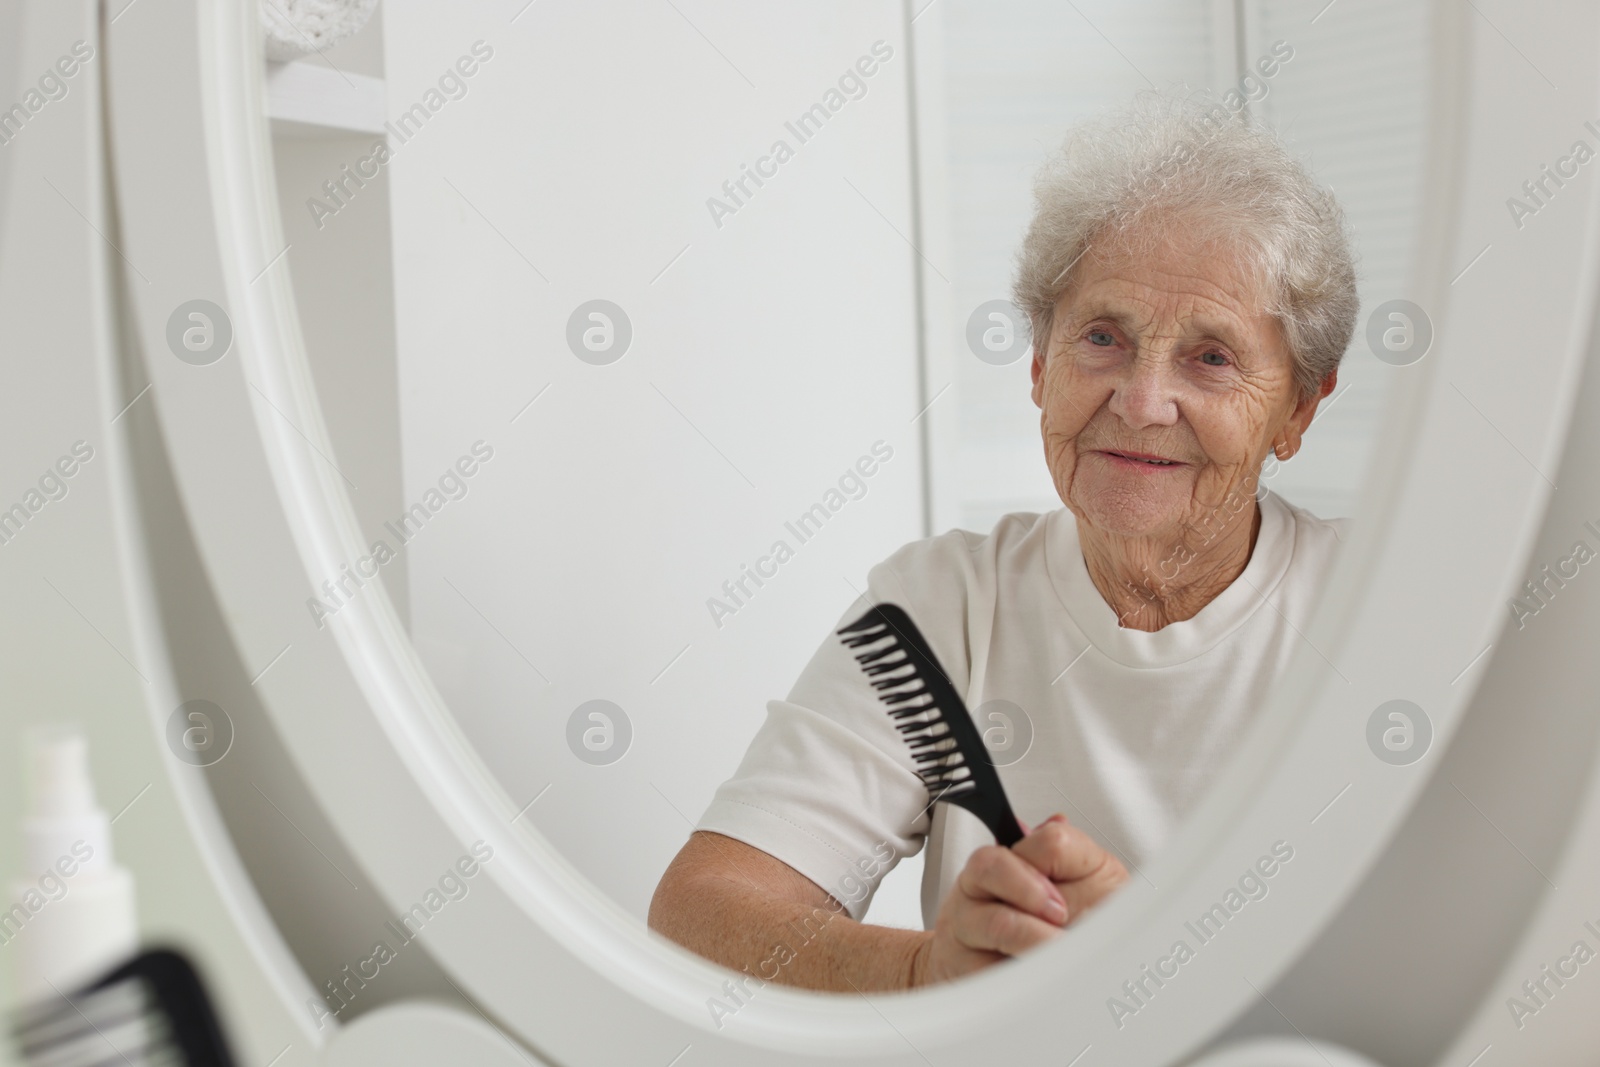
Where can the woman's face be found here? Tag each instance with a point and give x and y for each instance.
(1164, 356)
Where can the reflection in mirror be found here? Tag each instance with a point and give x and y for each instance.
(690, 377)
(1191, 292)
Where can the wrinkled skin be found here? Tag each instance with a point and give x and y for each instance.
(1010, 900)
(1168, 354)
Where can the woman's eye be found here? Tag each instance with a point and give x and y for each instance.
(1214, 359)
(1101, 338)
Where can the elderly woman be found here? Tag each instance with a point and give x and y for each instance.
(1191, 293)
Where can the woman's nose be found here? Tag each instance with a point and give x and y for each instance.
(1146, 394)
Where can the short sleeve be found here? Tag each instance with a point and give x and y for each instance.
(827, 785)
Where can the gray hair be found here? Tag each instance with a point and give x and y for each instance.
(1194, 161)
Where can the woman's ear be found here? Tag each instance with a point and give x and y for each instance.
(1306, 410)
(1037, 371)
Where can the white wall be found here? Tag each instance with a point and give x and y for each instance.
(10, 78)
(768, 354)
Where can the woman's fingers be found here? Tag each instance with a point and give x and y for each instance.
(1085, 893)
(1009, 900)
(999, 874)
(1061, 851)
(991, 926)
(1080, 868)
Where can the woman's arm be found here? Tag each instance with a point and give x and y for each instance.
(740, 907)
(747, 910)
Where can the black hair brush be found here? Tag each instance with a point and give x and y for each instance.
(152, 1009)
(931, 717)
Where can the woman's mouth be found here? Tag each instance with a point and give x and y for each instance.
(1140, 460)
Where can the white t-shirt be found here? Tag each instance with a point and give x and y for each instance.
(1128, 728)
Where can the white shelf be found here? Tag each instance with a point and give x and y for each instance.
(311, 99)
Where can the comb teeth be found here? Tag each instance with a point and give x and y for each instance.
(866, 637)
(873, 657)
(947, 752)
(941, 764)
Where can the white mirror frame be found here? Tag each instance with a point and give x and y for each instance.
(1413, 601)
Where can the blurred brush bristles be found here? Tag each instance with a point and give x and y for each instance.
(112, 1026)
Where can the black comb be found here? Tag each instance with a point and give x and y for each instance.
(152, 1009)
(931, 717)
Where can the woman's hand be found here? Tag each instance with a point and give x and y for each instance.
(1009, 900)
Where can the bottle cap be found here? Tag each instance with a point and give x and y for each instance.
(58, 764)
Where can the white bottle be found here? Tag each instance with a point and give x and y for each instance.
(70, 916)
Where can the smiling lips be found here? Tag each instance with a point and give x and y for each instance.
(1142, 460)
